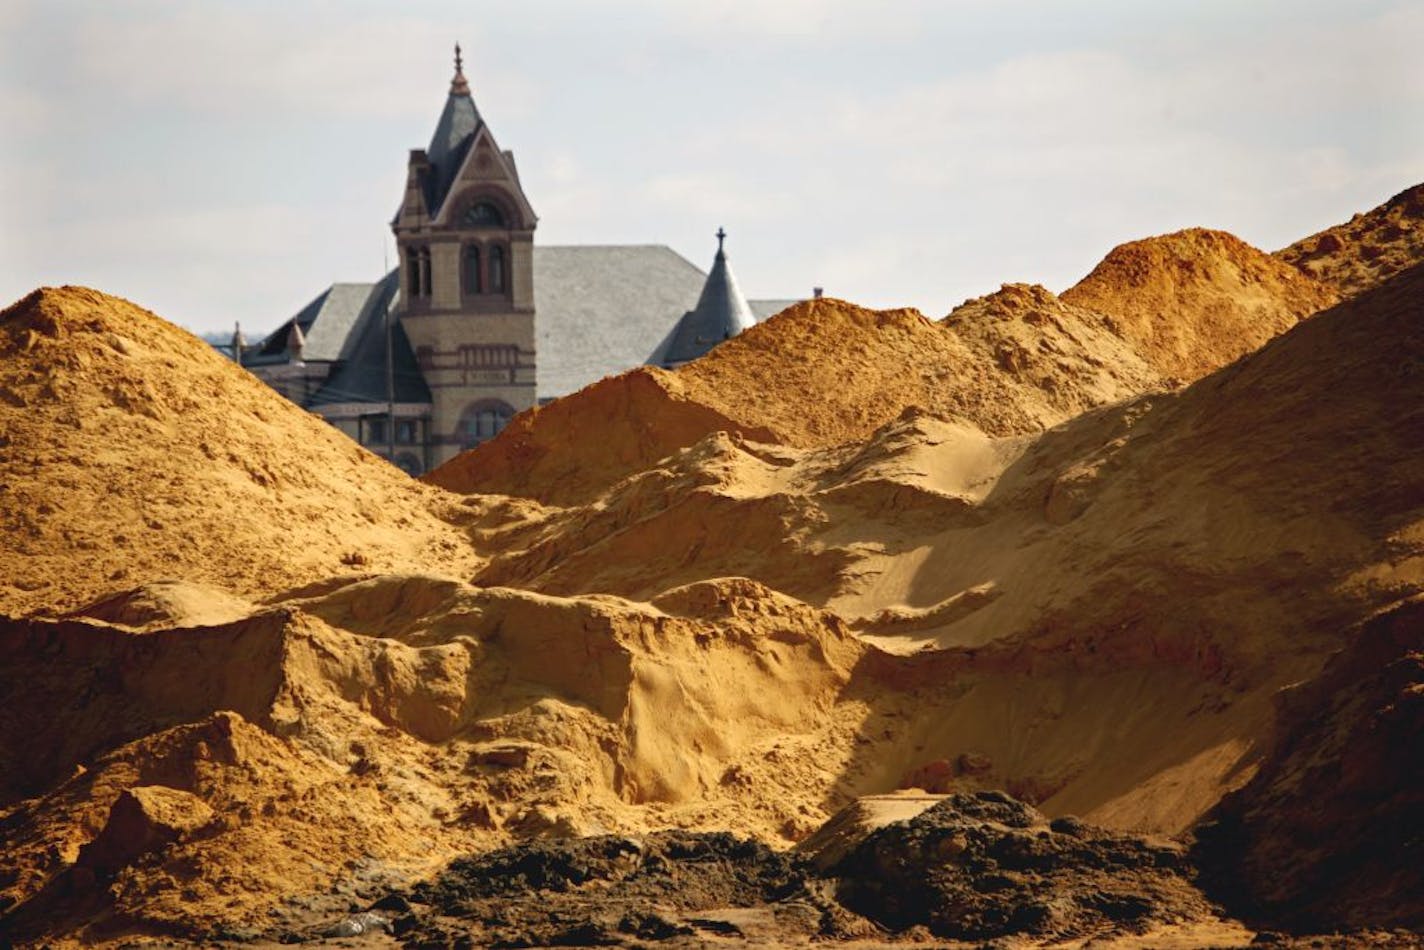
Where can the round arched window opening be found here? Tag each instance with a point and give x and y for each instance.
(482, 214)
(474, 277)
(483, 420)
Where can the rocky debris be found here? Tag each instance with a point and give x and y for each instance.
(354, 925)
(1329, 832)
(1193, 301)
(983, 866)
(1368, 249)
(144, 819)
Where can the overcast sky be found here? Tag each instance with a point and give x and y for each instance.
(224, 161)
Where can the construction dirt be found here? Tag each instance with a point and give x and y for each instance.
(1062, 619)
(1366, 250)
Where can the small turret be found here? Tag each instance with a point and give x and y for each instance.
(721, 313)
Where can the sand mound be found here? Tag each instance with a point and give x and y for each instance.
(1172, 548)
(572, 449)
(821, 373)
(825, 372)
(490, 714)
(1194, 301)
(1366, 250)
(133, 452)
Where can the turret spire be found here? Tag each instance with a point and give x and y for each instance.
(721, 313)
(458, 85)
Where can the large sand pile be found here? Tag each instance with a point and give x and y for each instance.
(1193, 301)
(358, 733)
(821, 373)
(1174, 548)
(1367, 249)
(133, 452)
(826, 372)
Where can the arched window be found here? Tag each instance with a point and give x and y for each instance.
(474, 277)
(483, 419)
(496, 274)
(482, 214)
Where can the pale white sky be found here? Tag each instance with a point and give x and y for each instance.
(226, 160)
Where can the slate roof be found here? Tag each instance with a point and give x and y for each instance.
(448, 146)
(721, 313)
(326, 323)
(361, 377)
(600, 309)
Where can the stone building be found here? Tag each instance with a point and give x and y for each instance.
(477, 322)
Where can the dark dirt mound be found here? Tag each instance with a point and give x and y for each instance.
(605, 890)
(984, 865)
(1330, 832)
(974, 867)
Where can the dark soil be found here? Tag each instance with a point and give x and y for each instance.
(608, 891)
(984, 865)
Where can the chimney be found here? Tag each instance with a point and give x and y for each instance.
(816, 292)
(239, 343)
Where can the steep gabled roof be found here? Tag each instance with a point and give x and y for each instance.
(451, 142)
(361, 377)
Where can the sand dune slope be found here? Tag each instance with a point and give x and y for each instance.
(133, 452)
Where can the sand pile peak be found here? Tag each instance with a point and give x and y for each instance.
(821, 373)
(574, 448)
(1195, 300)
(134, 452)
(1367, 249)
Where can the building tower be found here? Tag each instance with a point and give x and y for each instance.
(465, 235)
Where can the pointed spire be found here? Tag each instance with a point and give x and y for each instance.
(459, 121)
(721, 313)
(296, 341)
(458, 85)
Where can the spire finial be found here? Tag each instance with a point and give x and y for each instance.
(721, 236)
(458, 85)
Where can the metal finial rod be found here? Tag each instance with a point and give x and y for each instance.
(721, 236)
(459, 62)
